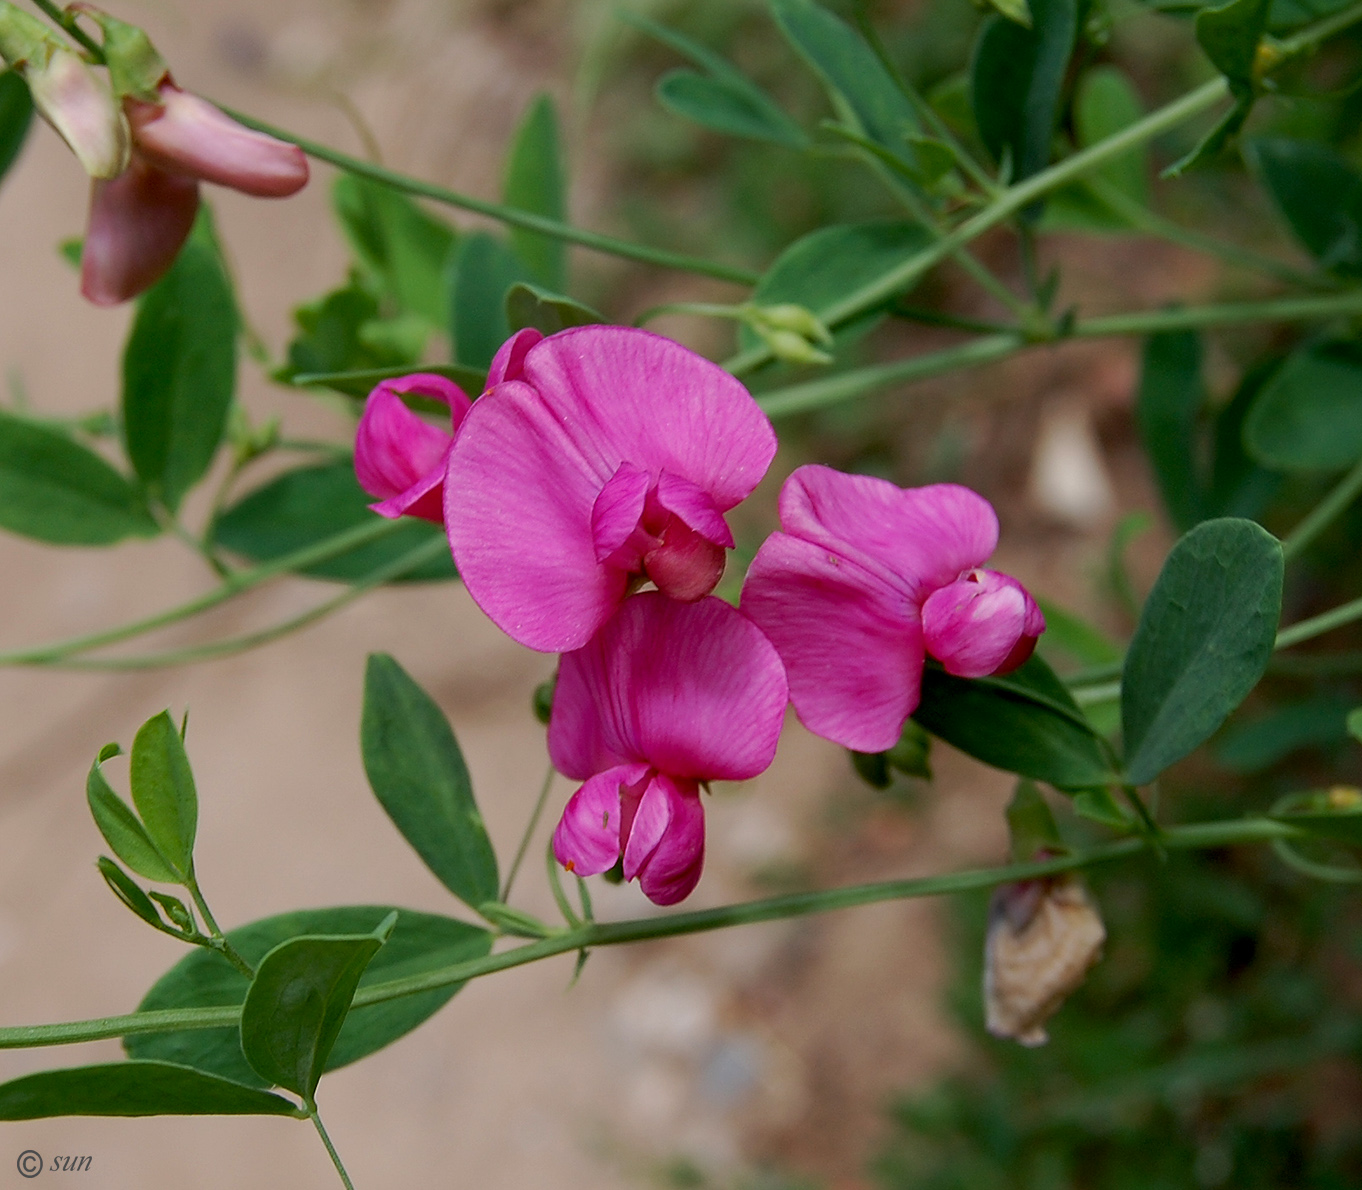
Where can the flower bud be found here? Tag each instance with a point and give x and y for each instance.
(1043, 935)
(799, 319)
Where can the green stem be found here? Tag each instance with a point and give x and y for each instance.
(1286, 309)
(528, 833)
(1319, 625)
(399, 566)
(508, 215)
(1321, 30)
(218, 938)
(1323, 514)
(1194, 836)
(330, 1148)
(235, 583)
(68, 22)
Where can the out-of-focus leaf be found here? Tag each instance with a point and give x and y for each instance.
(1017, 78)
(16, 117)
(1031, 825)
(129, 892)
(179, 373)
(484, 270)
(1238, 485)
(1202, 643)
(1308, 416)
(535, 183)
(55, 490)
(1167, 412)
(1319, 193)
(361, 382)
(1210, 146)
(124, 832)
(1254, 744)
(305, 507)
(1230, 35)
(329, 338)
(529, 305)
(421, 942)
(1069, 633)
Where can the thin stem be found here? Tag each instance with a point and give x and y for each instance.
(1195, 836)
(528, 833)
(1319, 625)
(508, 215)
(1321, 30)
(955, 322)
(68, 22)
(330, 1148)
(1287, 309)
(233, 585)
(399, 566)
(1324, 512)
(218, 940)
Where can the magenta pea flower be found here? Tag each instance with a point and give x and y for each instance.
(665, 697)
(602, 458)
(401, 458)
(864, 581)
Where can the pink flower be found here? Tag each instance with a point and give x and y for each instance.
(666, 696)
(140, 219)
(399, 457)
(603, 457)
(864, 581)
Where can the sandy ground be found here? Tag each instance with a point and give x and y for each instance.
(771, 1043)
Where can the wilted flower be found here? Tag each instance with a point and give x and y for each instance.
(665, 697)
(601, 458)
(864, 581)
(1043, 936)
(401, 458)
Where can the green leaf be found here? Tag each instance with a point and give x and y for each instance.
(124, 832)
(821, 268)
(360, 382)
(1239, 486)
(1097, 805)
(309, 505)
(484, 269)
(535, 183)
(55, 490)
(1354, 724)
(1024, 723)
(1213, 143)
(126, 890)
(298, 1002)
(1017, 79)
(332, 337)
(1260, 742)
(515, 922)
(724, 99)
(1014, 10)
(1319, 193)
(16, 116)
(1067, 632)
(851, 71)
(134, 1089)
(1031, 825)
(421, 942)
(1230, 34)
(1167, 413)
(179, 374)
(163, 792)
(418, 775)
(1203, 641)
(1308, 416)
(529, 305)
(403, 248)
(1328, 813)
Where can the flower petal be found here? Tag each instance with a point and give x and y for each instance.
(693, 689)
(509, 361)
(399, 457)
(851, 642)
(695, 506)
(587, 839)
(916, 538)
(617, 510)
(672, 869)
(187, 135)
(973, 625)
(138, 223)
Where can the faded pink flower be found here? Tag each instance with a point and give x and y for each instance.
(665, 697)
(866, 579)
(140, 219)
(602, 457)
(401, 458)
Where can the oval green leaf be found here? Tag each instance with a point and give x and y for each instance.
(1319, 194)
(535, 183)
(124, 832)
(547, 312)
(179, 373)
(1167, 411)
(307, 506)
(134, 1089)
(722, 106)
(484, 269)
(16, 117)
(420, 943)
(163, 792)
(1203, 641)
(1308, 416)
(55, 490)
(419, 777)
(1024, 722)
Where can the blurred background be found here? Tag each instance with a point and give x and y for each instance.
(1216, 1043)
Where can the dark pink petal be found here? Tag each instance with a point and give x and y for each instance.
(587, 839)
(850, 639)
(973, 625)
(138, 223)
(684, 565)
(519, 496)
(692, 689)
(399, 457)
(616, 513)
(695, 506)
(918, 539)
(672, 867)
(509, 361)
(187, 135)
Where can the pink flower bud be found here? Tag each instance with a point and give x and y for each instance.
(983, 623)
(78, 103)
(184, 134)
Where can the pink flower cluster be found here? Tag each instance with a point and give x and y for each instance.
(603, 459)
